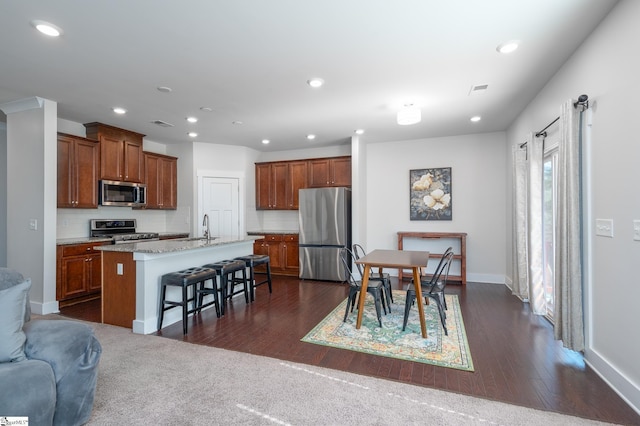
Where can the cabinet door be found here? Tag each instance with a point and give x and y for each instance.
(341, 171)
(297, 181)
(94, 273)
(133, 166)
(74, 282)
(279, 189)
(263, 186)
(111, 158)
(65, 172)
(151, 172)
(86, 159)
(319, 172)
(290, 253)
(169, 183)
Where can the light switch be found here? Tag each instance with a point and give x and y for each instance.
(636, 230)
(604, 227)
(119, 269)
(33, 224)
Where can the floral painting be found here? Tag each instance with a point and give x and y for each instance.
(430, 191)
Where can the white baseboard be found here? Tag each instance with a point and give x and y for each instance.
(45, 308)
(621, 385)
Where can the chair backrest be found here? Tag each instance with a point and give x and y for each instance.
(358, 252)
(443, 266)
(345, 256)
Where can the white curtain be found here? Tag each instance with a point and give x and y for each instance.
(528, 261)
(568, 312)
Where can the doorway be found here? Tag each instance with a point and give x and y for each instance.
(220, 199)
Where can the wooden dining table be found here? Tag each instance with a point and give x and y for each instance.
(405, 259)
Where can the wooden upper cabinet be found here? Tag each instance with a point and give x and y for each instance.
(277, 184)
(161, 179)
(78, 161)
(121, 156)
(325, 172)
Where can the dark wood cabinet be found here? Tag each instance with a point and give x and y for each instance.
(277, 184)
(327, 172)
(78, 275)
(160, 176)
(121, 157)
(282, 251)
(78, 163)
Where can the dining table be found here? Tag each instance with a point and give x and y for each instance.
(401, 259)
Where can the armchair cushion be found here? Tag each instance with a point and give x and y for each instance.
(13, 310)
(28, 389)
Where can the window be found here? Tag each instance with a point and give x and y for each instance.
(550, 168)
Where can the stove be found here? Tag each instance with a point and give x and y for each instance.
(120, 231)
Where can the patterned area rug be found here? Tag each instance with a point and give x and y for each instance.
(446, 351)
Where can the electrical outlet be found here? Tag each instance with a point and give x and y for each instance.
(636, 230)
(119, 269)
(604, 227)
(33, 224)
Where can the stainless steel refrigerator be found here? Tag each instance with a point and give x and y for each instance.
(325, 228)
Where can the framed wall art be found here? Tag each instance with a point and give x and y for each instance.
(430, 194)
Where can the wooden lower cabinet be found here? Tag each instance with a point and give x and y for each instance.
(78, 273)
(282, 250)
(119, 289)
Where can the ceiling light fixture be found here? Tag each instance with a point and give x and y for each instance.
(206, 109)
(192, 119)
(358, 131)
(165, 89)
(47, 28)
(192, 134)
(475, 118)
(311, 137)
(237, 122)
(409, 114)
(315, 82)
(508, 47)
(119, 110)
(265, 141)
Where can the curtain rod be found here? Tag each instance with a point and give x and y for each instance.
(583, 101)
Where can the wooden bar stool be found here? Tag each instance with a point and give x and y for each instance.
(192, 277)
(226, 270)
(251, 261)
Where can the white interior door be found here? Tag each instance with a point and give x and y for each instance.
(220, 200)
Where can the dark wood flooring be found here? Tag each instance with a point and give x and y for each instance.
(515, 357)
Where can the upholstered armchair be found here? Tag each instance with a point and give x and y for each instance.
(48, 368)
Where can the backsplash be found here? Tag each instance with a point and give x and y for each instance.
(276, 220)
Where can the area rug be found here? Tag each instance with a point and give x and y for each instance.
(450, 351)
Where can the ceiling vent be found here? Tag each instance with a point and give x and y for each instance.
(162, 123)
(480, 88)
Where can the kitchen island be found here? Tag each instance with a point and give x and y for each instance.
(131, 275)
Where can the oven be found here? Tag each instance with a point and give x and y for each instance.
(120, 231)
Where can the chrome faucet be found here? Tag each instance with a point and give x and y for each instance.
(205, 222)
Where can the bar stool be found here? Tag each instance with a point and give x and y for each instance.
(186, 278)
(226, 270)
(251, 261)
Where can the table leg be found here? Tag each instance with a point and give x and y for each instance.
(363, 294)
(418, 288)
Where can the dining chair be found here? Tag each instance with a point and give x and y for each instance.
(383, 277)
(374, 287)
(432, 288)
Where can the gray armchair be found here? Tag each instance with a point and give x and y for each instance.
(48, 368)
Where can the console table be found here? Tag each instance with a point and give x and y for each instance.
(459, 249)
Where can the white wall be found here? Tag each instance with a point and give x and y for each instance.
(478, 198)
(3, 194)
(606, 68)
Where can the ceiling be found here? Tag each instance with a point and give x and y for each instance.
(249, 61)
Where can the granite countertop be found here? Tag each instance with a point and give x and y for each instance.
(81, 240)
(173, 234)
(272, 232)
(175, 245)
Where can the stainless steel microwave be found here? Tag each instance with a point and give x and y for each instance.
(129, 194)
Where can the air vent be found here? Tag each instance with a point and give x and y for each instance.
(162, 123)
(480, 88)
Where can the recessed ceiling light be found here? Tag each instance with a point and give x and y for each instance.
(192, 119)
(265, 141)
(508, 47)
(119, 110)
(358, 131)
(47, 28)
(192, 134)
(475, 118)
(164, 89)
(311, 137)
(315, 82)
(206, 109)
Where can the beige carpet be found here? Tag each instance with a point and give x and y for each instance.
(153, 380)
